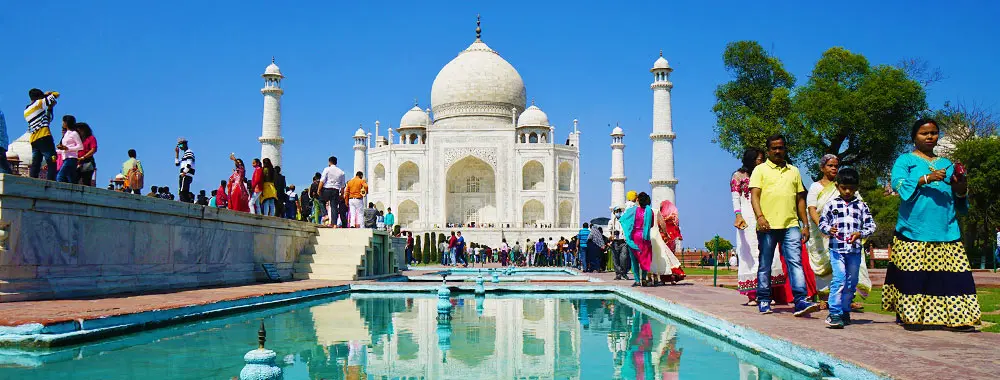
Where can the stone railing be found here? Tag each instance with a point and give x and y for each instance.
(62, 241)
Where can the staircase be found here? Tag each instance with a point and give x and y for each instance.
(338, 254)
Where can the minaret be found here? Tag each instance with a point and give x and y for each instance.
(617, 167)
(270, 139)
(662, 180)
(360, 148)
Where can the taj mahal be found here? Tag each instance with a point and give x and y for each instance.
(482, 160)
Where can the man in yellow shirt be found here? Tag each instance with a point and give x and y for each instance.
(38, 114)
(779, 202)
(354, 194)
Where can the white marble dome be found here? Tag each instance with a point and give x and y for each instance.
(477, 83)
(359, 133)
(661, 63)
(415, 117)
(273, 69)
(618, 131)
(533, 117)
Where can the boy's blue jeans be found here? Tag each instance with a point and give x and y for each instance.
(791, 249)
(845, 279)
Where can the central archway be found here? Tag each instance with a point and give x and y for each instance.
(471, 192)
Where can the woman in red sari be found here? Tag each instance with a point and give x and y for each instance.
(238, 197)
(666, 267)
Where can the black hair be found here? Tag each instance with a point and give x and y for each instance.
(131, 153)
(775, 137)
(35, 94)
(332, 160)
(222, 183)
(201, 192)
(69, 119)
(919, 123)
(848, 176)
(359, 175)
(585, 225)
(370, 204)
(74, 127)
(214, 192)
(389, 209)
(317, 176)
(153, 189)
(277, 169)
(749, 160)
(268, 170)
(643, 199)
(85, 130)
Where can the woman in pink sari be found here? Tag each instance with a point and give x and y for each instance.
(665, 264)
(237, 188)
(636, 223)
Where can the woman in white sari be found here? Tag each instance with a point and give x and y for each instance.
(665, 235)
(821, 192)
(746, 231)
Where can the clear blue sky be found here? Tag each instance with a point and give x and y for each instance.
(144, 73)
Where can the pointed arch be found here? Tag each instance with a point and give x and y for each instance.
(533, 176)
(532, 212)
(409, 214)
(565, 176)
(408, 177)
(378, 179)
(565, 214)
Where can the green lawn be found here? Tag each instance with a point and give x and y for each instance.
(989, 302)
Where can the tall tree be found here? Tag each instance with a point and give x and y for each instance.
(981, 157)
(961, 122)
(859, 112)
(755, 103)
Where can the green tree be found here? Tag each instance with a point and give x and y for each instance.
(721, 243)
(435, 255)
(417, 254)
(756, 102)
(981, 157)
(884, 205)
(427, 248)
(859, 112)
(960, 122)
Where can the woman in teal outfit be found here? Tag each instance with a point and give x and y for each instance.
(929, 281)
(636, 223)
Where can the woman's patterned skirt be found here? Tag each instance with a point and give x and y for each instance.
(929, 283)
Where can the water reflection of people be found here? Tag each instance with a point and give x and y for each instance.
(670, 356)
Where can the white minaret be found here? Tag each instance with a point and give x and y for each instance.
(270, 139)
(360, 149)
(617, 167)
(662, 180)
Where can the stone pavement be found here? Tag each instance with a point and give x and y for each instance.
(55, 311)
(874, 342)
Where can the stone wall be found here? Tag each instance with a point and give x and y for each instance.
(59, 240)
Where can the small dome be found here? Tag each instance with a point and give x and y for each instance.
(415, 117)
(533, 117)
(273, 69)
(617, 131)
(661, 63)
(359, 133)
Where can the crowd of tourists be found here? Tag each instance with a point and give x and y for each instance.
(819, 236)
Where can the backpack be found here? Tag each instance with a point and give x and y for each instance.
(134, 177)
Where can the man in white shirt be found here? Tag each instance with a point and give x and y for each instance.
(996, 252)
(333, 182)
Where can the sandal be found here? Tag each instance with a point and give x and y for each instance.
(750, 303)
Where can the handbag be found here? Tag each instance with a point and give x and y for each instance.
(87, 166)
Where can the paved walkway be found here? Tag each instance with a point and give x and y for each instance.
(54, 311)
(875, 342)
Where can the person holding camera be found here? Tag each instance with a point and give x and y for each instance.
(929, 281)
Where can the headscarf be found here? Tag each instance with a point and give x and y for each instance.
(671, 230)
(631, 196)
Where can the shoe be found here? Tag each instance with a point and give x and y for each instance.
(965, 328)
(857, 306)
(834, 322)
(846, 317)
(751, 303)
(764, 307)
(803, 308)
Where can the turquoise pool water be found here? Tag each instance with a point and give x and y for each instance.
(398, 336)
(519, 274)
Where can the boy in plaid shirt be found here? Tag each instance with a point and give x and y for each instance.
(847, 220)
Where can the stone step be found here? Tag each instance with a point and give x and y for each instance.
(344, 236)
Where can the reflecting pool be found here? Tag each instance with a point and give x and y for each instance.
(511, 274)
(400, 336)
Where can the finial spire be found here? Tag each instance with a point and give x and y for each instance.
(272, 59)
(532, 101)
(479, 31)
(415, 102)
(661, 52)
(261, 335)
